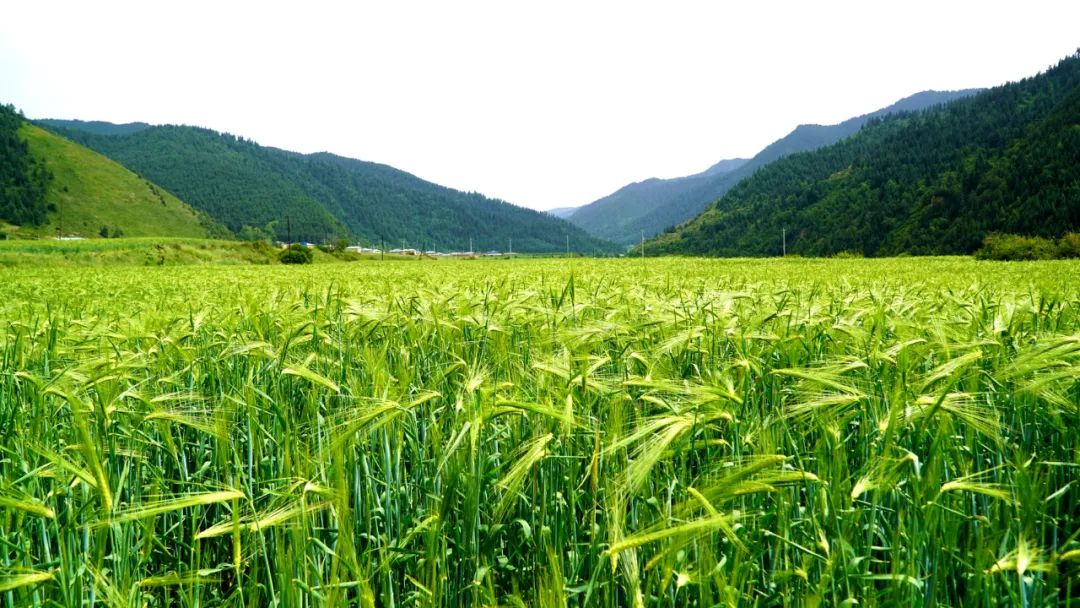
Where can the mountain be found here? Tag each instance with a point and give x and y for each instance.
(562, 212)
(724, 166)
(653, 205)
(256, 190)
(930, 182)
(85, 194)
(621, 215)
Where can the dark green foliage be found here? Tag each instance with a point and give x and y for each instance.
(380, 203)
(98, 127)
(936, 182)
(322, 197)
(1069, 246)
(1017, 247)
(254, 233)
(655, 204)
(23, 178)
(110, 233)
(296, 254)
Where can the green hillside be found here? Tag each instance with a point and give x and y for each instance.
(935, 182)
(83, 193)
(655, 204)
(322, 196)
(89, 191)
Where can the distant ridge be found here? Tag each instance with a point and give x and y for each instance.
(653, 205)
(562, 212)
(256, 190)
(622, 215)
(98, 127)
(930, 182)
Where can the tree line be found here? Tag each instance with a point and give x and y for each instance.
(24, 179)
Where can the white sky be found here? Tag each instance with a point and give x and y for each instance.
(544, 104)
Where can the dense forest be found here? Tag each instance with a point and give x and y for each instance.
(231, 179)
(656, 204)
(257, 190)
(100, 127)
(931, 182)
(24, 179)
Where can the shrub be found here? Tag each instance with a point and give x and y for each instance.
(265, 250)
(1016, 247)
(847, 255)
(1069, 246)
(296, 254)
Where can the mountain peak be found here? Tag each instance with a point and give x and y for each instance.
(936, 181)
(652, 205)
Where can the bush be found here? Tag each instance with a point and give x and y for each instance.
(1017, 247)
(296, 254)
(847, 255)
(1069, 246)
(266, 251)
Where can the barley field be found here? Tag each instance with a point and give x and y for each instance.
(604, 433)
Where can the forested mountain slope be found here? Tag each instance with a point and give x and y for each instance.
(620, 216)
(653, 205)
(323, 196)
(933, 182)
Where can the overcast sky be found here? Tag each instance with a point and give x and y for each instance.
(544, 104)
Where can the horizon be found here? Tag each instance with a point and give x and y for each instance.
(486, 102)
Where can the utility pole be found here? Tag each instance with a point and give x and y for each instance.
(568, 245)
(288, 222)
(643, 244)
(511, 251)
(382, 249)
(783, 236)
(470, 245)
